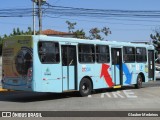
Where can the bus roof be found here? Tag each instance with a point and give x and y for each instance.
(85, 41)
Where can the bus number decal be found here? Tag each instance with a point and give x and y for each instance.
(85, 68)
(137, 67)
(141, 67)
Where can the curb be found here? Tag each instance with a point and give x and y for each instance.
(3, 90)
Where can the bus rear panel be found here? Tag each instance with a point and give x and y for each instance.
(17, 57)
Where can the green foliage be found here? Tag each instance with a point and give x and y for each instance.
(71, 26)
(106, 31)
(156, 40)
(79, 34)
(20, 32)
(0, 49)
(1, 45)
(16, 31)
(94, 33)
(29, 32)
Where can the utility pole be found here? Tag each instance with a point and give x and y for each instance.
(34, 19)
(40, 15)
(39, 4)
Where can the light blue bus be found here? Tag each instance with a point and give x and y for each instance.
(54, 64)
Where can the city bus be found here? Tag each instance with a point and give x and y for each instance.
(43, 63)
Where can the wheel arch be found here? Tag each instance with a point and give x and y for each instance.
(88, 77)
(142, 75)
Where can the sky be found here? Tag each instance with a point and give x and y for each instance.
(122, 29)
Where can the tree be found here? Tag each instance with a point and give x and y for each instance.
(0, 45)
(29, 32)
(106, 31)
(16, 31)
(5, 36)
(94, 33)
(79, 34)
(156, 40)
(71, 26)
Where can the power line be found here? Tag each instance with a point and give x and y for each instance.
(115, 29)
(118, 15)
(83, 12)
(100, 21)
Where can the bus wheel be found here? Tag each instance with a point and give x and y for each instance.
(139, 82)
(85, 87)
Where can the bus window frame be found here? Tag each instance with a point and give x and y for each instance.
(145, 55)
(108, 47)
(129, 54)
(93, 54)
(59, 61)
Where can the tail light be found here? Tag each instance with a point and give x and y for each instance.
(29, 74)
(3, 77)
(2, 73)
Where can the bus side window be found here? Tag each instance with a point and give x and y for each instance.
(48, 52)
(86, 53)
(128, 54)
(57, 52)
(125, 58)
(141, 55)
(102, 54)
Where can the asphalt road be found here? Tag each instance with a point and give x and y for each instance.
(128, 98)
(124, 99)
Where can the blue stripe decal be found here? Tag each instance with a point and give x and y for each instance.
(127, 73)
(15, 85)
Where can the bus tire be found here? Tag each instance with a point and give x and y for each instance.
(85, 87)
(139, 82)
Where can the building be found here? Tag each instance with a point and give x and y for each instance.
(50, 32)
(142, 42)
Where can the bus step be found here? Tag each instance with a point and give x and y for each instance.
(117, 86)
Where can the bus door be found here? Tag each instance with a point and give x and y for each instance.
(117, 65)
(69, 64)
(151, 64)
